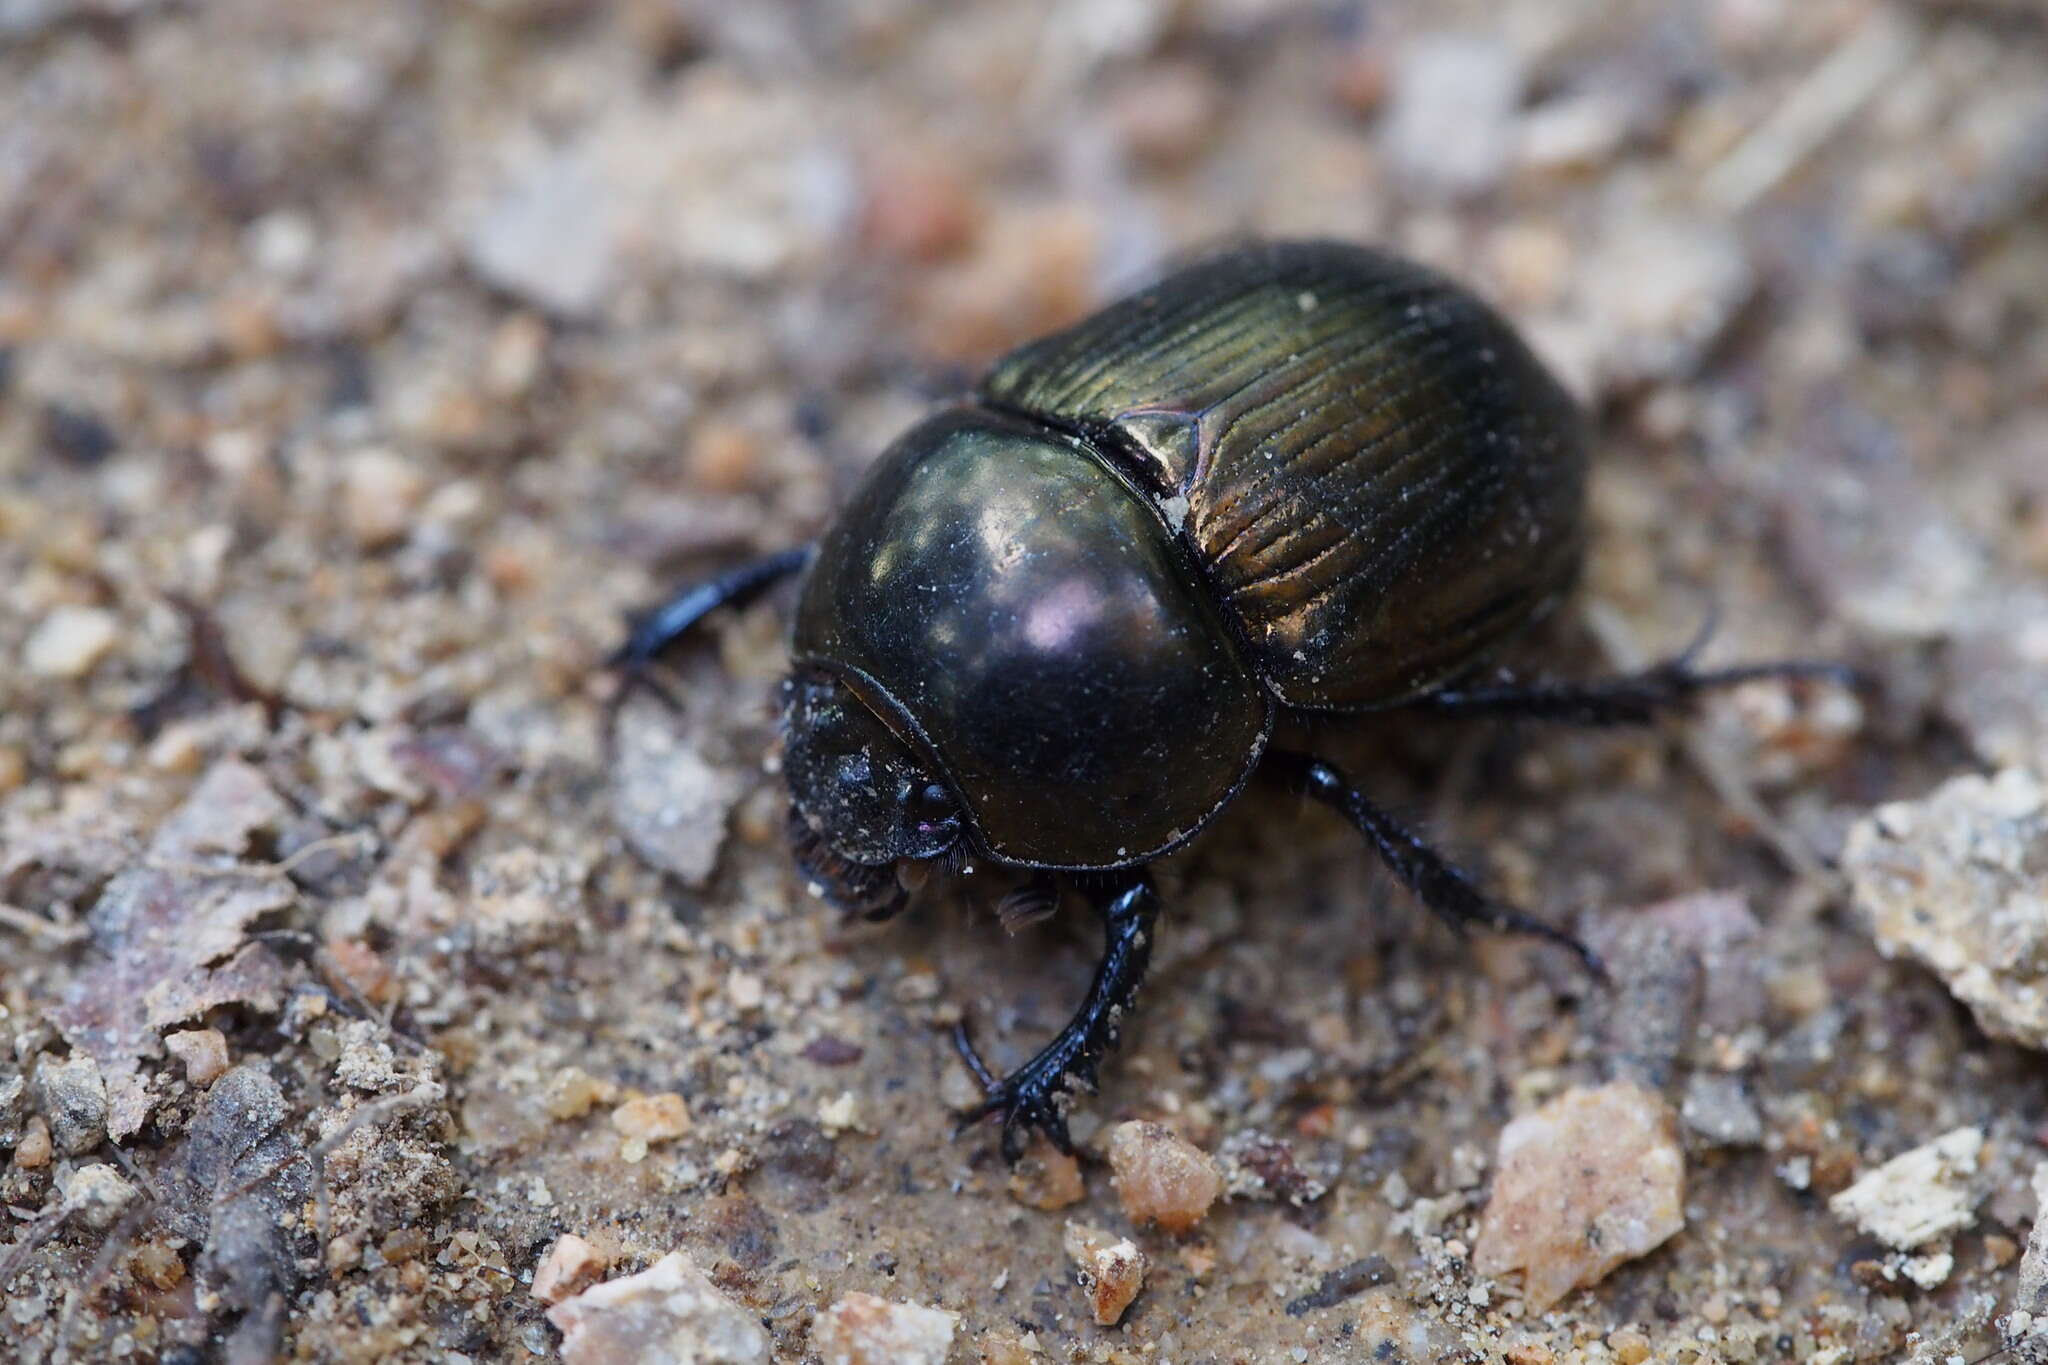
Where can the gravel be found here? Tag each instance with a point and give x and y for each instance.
(364, 366)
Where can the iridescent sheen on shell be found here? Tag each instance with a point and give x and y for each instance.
(1379, 478)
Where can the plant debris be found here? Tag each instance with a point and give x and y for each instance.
(174, 930)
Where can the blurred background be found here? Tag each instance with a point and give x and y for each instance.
(362, 364)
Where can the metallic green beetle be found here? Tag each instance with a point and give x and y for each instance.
(1056, 625)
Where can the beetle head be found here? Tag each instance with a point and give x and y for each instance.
(865, 809)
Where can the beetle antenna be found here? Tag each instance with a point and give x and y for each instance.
(1023, 906)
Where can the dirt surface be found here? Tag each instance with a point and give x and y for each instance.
(362, 365)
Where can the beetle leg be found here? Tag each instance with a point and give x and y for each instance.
(1447, 889)
(679, 615)
(1035, 1095)
(1631, 699)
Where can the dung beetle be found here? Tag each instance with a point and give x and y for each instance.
(1055, 626)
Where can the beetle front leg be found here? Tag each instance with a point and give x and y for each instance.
(1035, 1095)
(1447, 889)
(680, 614)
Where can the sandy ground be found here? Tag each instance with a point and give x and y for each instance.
(362, 365)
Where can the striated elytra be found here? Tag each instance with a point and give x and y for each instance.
(1055, 626)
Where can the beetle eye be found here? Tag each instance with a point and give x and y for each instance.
(932, 805)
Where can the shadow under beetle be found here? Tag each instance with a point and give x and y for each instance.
(1055, 626)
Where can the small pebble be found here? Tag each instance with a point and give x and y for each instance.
(840, 1115)
(157, 1264)
(1577, 133)
(71, 641)
(724, 457)
(180, 749)
(1112, 1270)
(1930, 1271)
(830, 1049)
(572, 1092)
(1532, 262)
(918, 207)
(570, 1266)
(1358, 78)
(33, 1152)
(96, 1194)
(1450, 123)
(1781, 732)
(1257, 1165)
(1038, 271)
(647, 1120)
(77, 435)
(517, 349)
(745, 991)
(1166, 113)
(1667, 290)
(861, 1329)
(1004, 1349)
(13, 768)
(381, 490)
(2030, 1295)
(551, 237)
(1629, 1345)
(1592, 1179)
(1161, 1178)
(73, 1097)
(204, 1051)
(362, 969)
(669, 1312)
(1919, 1195)
(1718, 1108)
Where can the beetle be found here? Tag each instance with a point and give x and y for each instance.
(1056, 624)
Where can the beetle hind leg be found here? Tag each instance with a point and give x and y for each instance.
(1449, 891)
(1036, 1094)
(1632, 698)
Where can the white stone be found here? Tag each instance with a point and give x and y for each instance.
(1919, 1196)
(1949, 881)
(1450, 123)
(97, 1194)
(381, 492)
(70, 641)
(861, 1329)
(550, 238)
(668, 1314)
